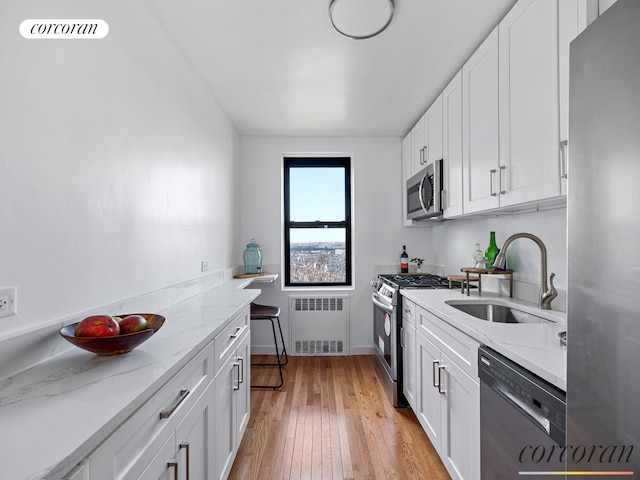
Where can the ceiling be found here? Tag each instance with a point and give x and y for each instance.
(277, 67)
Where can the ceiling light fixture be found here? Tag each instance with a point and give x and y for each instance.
(360, 19)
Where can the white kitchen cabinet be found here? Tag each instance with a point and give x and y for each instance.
(407, 169)
(418, 147)
(409, 359)
(144, 444)
(186, 453)
(452, 147)
(448, 394)
(192, 426)
(480, 127)
(231, 386)
(433, 131)
(529, 159)
(426, 138)
(429, 399)
(573, 17)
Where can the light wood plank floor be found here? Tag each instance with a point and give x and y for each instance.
(331, 420)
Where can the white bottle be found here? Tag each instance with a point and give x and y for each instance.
(478, 257)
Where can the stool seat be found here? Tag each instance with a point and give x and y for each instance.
(272, 314)
(264, 311)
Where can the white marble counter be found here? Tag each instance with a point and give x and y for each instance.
(55, 413)
(535, 346)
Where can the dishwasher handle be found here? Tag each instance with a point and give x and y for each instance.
(539, 419)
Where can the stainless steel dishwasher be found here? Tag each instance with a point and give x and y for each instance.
(522, 420)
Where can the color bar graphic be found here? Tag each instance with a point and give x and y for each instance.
(590, 473)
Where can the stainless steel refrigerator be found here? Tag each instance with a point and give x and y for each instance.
(603, 211)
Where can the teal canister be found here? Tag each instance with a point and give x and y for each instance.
(252, 258)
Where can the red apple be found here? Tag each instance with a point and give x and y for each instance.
(132, 323)
(98, 326)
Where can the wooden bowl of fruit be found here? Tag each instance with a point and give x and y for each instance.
(110, 335)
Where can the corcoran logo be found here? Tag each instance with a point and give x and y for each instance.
(589, 456)
(64, 29)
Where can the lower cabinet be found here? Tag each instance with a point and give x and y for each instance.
(192, 426)
(232, 387)
(185, 454)
(447, 398)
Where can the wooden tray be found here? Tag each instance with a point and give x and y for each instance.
(249, 275)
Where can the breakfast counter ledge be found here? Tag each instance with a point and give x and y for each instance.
(534, 346)
(56, 413)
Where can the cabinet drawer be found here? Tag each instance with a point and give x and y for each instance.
(146, 430)
(409, 311)
(227, 340)
(460, 348)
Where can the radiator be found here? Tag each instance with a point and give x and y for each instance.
(319, 325)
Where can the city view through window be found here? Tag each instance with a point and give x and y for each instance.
(317, 260)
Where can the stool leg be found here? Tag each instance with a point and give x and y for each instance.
(284, 347)
(279, 364)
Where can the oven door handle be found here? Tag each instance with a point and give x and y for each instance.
(386, 307)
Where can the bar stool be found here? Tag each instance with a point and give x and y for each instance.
(267, 312)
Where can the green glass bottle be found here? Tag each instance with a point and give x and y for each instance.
(492, 250)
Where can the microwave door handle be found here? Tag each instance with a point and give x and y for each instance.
(437, 185)
(421, 193)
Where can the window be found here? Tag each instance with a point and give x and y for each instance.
(317, 221)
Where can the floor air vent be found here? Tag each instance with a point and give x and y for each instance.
(319, 325)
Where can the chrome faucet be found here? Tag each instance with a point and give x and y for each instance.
(546, 294)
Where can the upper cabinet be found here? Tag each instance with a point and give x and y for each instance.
(574, 16)
(452, 147)
(433, 131)
(480, 134)
(501, 125)
(418, 147)
(426, 139)
(528, 100)
(407, 168)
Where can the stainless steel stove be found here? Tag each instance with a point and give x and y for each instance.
(387, 324)
(415, 280)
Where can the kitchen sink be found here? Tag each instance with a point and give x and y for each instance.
(494, 312)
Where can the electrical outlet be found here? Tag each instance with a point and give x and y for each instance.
(204, 266)
(7, 301)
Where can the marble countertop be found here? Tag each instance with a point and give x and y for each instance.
(60, 410)
(534, 346)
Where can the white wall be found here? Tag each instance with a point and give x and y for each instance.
(117, 167)
(378, 231)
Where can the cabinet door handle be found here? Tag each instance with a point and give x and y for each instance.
(181, 396)
(502, 191)
(563, 159)
(402, 337)
(440, 369)
(174, 465)
(491, 173)
(236, 333)
(426, 155)
(237, 384)
(433, 374)
(241, 370)
(443, 199)
(185, 445)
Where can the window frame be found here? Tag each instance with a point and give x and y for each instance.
(301, 161)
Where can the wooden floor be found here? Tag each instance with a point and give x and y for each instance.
(331, 420)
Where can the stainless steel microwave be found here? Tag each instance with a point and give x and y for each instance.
(424, 193)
